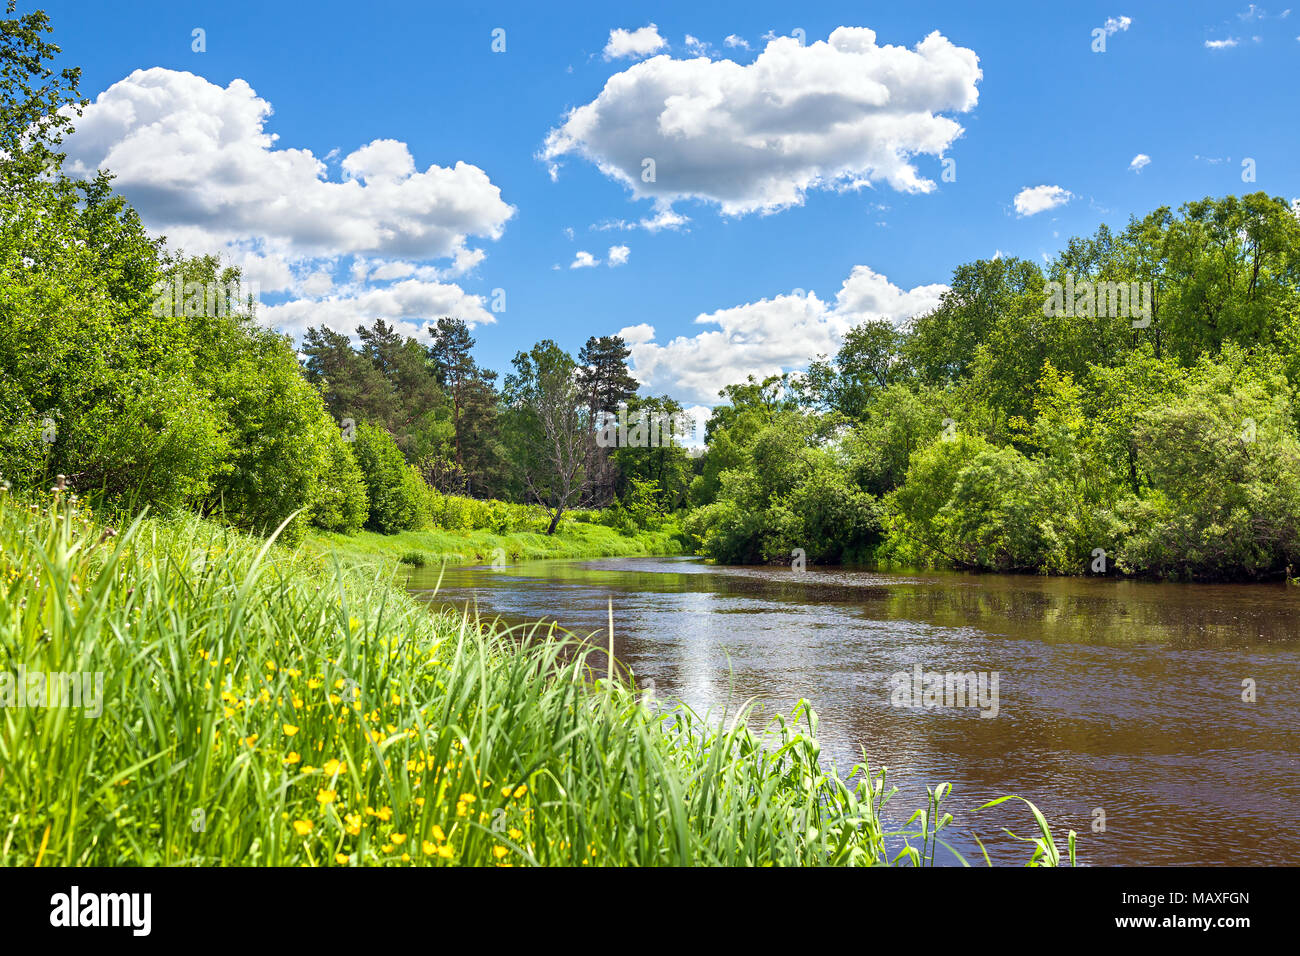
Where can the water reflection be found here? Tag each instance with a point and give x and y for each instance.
(1123, 697)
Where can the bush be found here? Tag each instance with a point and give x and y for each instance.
(970, 503)
(392, 498)
(279, 429)
(1224, 469)
(341, 504)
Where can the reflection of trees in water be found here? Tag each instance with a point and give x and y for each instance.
(1054, 610)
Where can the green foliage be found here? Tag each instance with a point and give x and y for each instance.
(1001, 433)
(639, 508)
(1223, 466)
(789, 493)
(254, 682)
(341, 502)
(395, 494)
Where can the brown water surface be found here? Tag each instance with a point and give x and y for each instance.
(1115, 698)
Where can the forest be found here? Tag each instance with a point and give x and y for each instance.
(1005, 430)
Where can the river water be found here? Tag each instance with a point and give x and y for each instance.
(1119, 704)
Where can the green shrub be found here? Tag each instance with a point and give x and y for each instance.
(393, 500)
(341, 503)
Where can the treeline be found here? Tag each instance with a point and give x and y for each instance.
(1012, 430)
(1129, 408)
(142, 377)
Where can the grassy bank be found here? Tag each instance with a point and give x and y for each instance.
(438, 545)
(267, 706)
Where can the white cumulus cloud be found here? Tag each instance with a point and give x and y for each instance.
(197, 162)
(696, 46)
(189, 153)
(1139, 162)
(634, 43)
(617, 255)
(844, 112)
(770, 336)
(1035, 199)
(409, 305)
(583, 260)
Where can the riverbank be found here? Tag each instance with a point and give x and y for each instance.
(440, 546)
(256, 704)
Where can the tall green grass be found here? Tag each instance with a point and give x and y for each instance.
(272, 707)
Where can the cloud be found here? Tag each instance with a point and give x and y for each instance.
(733, 41)
(617, 255)
(665, 217)
(770, 336)
(189, 153)
(583, 260)
(196, 161)
(1139, 162)
(1227, 44)
(1035, 199)
(696, 46)
(1115, 25)
(634, 43)
(835, 114)
(410, 305)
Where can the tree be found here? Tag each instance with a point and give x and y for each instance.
(550, 427)
(941, 344)
(455, 368)
(351, 386)
(662, 462)
(37, 105)
(864, 365)
(416, 416)
(392, 504)
(1223, 461)
(472, 393)
(604, 379)
(603, 375)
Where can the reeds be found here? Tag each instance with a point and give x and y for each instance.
(263, 706)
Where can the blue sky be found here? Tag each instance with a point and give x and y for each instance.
(803, 181)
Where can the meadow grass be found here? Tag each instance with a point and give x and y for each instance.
(440, 546)
(268, 706)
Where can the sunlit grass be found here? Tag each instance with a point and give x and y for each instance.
(272, 707)
(440, 546)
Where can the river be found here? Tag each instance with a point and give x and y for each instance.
(1119, 707)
